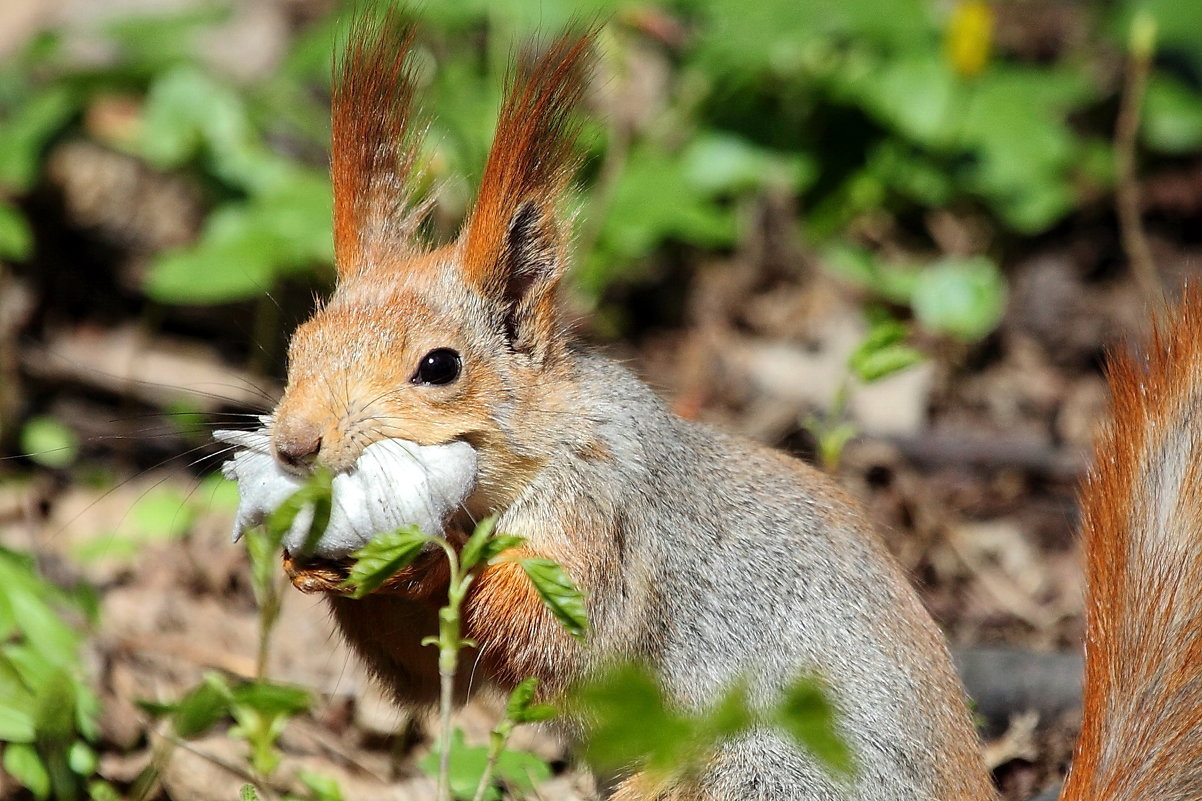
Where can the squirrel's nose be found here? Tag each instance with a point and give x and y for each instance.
(297, 443)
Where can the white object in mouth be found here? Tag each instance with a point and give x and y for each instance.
(394, 483)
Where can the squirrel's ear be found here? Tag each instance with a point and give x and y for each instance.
(373, 148)
(514, 245)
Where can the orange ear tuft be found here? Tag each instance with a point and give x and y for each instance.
(373, 150)
(528, 168)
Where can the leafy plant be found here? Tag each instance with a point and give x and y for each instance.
(632, 724)
(47, 710)
(389, 553)
(259, 709)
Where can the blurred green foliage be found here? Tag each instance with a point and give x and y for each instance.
(849, 109)
(47, 708)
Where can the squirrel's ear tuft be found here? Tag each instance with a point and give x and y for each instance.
(514, 245)
(373, 147)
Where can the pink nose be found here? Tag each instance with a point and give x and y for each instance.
(297, 443)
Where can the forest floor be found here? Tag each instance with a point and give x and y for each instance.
(967, 464)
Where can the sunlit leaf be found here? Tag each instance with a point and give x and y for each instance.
(961, 297)
(48, 442)
(807, 714)
(16, 239)
(559, 593)
(22, 762)
(383, 557)
(521, 707)
(518, 769)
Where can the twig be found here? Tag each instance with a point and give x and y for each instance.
(1135, 240)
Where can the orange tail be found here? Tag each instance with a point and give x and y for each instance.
(1141, 737)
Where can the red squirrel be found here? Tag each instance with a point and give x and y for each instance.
(710, 558)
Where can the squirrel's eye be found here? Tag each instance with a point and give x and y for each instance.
(440, 366)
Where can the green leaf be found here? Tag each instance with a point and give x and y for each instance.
(273, 699)
(16, 239)
(807, 714)
(883, 352)
(22, 762)
(863, 268)
(318, 492)
(323, 788)
(518, 769)
(961, 297)
(559, 594)
(383, 557)
(484, 546)
(521, 707)
(474, 548)
(102, 791)
(26, 133)
(81, 758)
(631, 722)
(717, 163)
(248, 793)
(48, 442)
(1172, 116)
(199, 710)
(16, 719)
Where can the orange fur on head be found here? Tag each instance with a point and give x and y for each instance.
(373, 149)
(514, 246)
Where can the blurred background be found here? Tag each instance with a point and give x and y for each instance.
(894, 238)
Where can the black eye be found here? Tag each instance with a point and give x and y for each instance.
(440, 366)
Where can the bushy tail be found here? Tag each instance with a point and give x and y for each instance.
(1141, 736)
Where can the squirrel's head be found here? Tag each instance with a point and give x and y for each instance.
(459, 343)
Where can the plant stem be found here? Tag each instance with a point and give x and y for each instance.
(449, 643)
(496, 744)
(1135, 240)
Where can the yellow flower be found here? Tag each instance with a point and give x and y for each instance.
(969, 37)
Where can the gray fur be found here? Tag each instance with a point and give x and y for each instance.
(729, 560)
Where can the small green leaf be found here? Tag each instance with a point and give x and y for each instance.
(273, 699)
(807, 714)
(16, 239)
(383, 557)
(631, 722)
(16, 720)
(518, 769)
(318, 492)
(248, 793)
(883, 352)
(1172, 116)
(81, 758)
(203, 707)
(323, 788)
(22, 762)
(559, 594)
(521, 707)
(961, 297)
(48, 442)
(472, 551)
(99, 790)
(26, 133)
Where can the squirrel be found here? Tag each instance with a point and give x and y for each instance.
(705, 556)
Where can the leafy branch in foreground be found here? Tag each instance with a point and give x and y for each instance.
(629, 722)
(389, 553)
